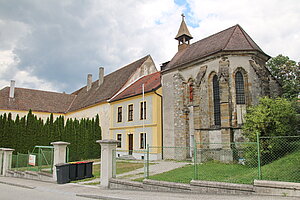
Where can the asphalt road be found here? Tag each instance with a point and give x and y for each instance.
(37, 190)
(9, 192)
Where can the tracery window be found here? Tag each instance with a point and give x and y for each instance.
(239, 88)
(216, 98)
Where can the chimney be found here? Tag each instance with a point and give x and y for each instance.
(12, 89)
(101, 76)
(89, 82)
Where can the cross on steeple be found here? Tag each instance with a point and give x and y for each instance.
(182, 15)
(183, 36)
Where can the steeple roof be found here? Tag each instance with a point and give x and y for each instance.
(183, 30)
(231, 39)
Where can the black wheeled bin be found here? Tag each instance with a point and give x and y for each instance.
(63, 173)
(73, 171)
(88, 169)
(80, 170)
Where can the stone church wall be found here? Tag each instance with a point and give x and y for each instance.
(189, 90)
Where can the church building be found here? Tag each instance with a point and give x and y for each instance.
(207, 86)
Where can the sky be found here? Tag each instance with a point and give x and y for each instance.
(53, 44)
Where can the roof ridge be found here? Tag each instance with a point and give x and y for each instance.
(245, 35)
(118, 92)
(129, 64)
(4, 88)
(235, 26)
(113, 72)
(71, 104)
(142, 80)
(211, 35)
(37, 90)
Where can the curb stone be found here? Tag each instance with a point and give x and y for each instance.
(17, 185)
(98, 197)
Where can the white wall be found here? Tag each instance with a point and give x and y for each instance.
(102, 110)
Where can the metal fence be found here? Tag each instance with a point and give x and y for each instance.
(226, 162)
(268, 158)
(176, 166)
(280, 158)
(129, 164)
(40, 159)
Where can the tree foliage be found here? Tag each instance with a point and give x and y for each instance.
(287, 72)
(272, 117)
(22, 134)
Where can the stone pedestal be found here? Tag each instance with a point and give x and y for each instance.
(7, 159)
(108, 168)
(60, 152)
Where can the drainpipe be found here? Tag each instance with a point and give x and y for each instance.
(162, 137)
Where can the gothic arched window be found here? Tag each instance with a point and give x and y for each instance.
(239, 88)
(217, 108)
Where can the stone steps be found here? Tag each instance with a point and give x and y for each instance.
(127, 157)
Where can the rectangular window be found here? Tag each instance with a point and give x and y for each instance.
(130, 112)
(143, 110)
(119, 114)
(119, 138)
(143, 140)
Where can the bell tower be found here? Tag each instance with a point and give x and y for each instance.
(183, 36)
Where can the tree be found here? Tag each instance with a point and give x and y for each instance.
(287, 72)
(272, 117)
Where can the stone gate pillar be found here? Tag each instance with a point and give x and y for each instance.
(108, 147)
(1, 161)
(60, 152)
(7, 159)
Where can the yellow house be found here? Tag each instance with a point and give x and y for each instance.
(136, 116)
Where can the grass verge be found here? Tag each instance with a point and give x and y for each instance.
(284, 169)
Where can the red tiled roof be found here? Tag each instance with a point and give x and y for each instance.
(231, 39)
(36, 100)
(151, 82)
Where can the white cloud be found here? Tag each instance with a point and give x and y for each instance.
(26, 79)
(57, 43)
(272, 24)
(9, 71)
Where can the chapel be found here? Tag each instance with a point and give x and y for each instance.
(207, 87)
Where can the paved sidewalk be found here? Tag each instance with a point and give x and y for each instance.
(12, 188)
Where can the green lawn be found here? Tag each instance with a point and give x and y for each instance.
(284, 169)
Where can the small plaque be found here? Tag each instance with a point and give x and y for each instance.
(32, 159)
